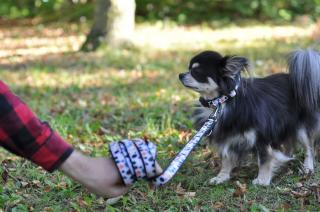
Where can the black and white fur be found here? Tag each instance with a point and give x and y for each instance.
(267, 113)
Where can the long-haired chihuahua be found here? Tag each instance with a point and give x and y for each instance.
(265, 115)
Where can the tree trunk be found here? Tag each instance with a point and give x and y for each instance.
(99, 28)
(113, 23)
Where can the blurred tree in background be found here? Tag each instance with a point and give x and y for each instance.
(113, 22)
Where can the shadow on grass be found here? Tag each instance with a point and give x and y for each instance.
(147, 58)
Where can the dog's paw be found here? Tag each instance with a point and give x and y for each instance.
(219, 179)
(308, 168)
(262, 182)
(306, 171)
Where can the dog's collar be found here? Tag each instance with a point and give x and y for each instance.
(214, 103)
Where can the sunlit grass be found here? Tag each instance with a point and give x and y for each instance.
(134, 91)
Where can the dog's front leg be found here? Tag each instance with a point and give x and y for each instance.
(228, 163)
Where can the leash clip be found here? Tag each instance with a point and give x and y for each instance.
(212, 104)
(217, 110)
(214, 116)
(209, 133)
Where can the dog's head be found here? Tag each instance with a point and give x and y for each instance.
(211, 74)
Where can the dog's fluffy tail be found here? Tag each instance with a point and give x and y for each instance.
(304, 70)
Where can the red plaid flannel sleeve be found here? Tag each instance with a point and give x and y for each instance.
(22, 133)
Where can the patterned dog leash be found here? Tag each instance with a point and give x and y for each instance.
(136, 159)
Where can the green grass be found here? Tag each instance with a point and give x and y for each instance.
(94, 99)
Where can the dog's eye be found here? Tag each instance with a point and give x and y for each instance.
(193, 72)
(196, 74)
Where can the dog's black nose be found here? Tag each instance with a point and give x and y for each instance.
(181, 76)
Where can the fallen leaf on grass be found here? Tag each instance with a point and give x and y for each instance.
(241, 189)
(100, 201)
(317, 194)
(26, 196)
(47, 188)
(113, 201)
(300, 194)
(197, 208)
(241, 208)
(316, 190)
(207, 154)
(283, 190)
(36, 183)
(299, 185)
(81, 202)
(301, 191)
(104, 131)
(62, 185)
(302, 204)
(189, 194)
(140, 194)
(250, 202)
(5, 176)
(24, 184)
(218, 205)
(47, 209)
(182, 192)
(184, 136)
(286, 206)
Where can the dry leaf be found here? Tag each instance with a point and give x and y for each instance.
(47, 188)
(62, 185)
(197, 208)
(300, 194)
(141, 194)
(189, 194)
(286, 206)
(81, 202)
(179, 188)
(241, 189)
(47, 209)
(184, 136)
(5, 175)
(316, 190)
(218, 205)
(24, 184)
(113, 201)
(182, 192)
(250, 203)
(36, 183)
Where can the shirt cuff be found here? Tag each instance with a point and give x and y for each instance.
(52, 153)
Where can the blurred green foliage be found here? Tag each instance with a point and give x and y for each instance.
(180, 11)
(48, 10)
(186, 11)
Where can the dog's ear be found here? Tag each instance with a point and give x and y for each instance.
(233, 65)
